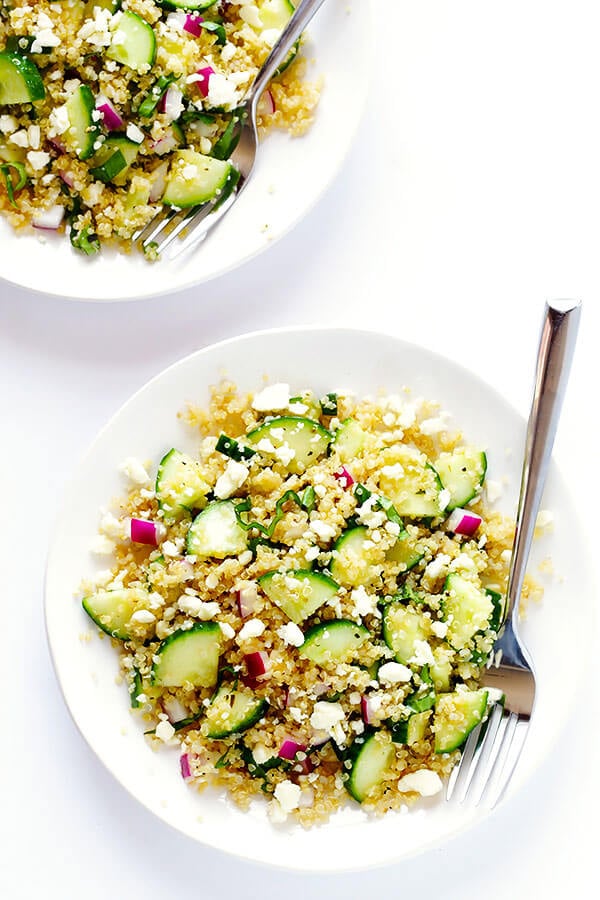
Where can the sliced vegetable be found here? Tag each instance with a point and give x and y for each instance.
(412, 484)
(133, 43)
(202, 81)
(49, 219)
(257, 664)
(110, 117)
(462, 473)
(112, 610)
(113, 161)
(455, 717)
(344, 477)
(234, 450)
(353, 558)
(144, 531)
(467, 609)
(194, 179)
(407, 551)
(298, 593)
(83, 130)
(188, 657)
(303, 441)
(290, 749)
(247, 599)
(349, 440)
(232, 712)
(329, 405)
(462, 521)
(20, 80)
(335, 641)
(216, 532)
(412, 730)
(197, 5)
(402, 627)
(371, 757)
(180, 485)
(148, 105)
(14, 182)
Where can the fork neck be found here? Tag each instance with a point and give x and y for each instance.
(278, 55)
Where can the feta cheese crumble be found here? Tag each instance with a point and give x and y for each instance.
(423, 782)
(273, 398)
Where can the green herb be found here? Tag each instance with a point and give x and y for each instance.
(229, 140)
(157, 92)
(267, 530)
(82, 239)
(362, 494)
(231, 448)
(13, 183)
(216, 28)
(329, 404)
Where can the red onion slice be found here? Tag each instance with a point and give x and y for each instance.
(462, 521)
(143, 531)
(344, 477)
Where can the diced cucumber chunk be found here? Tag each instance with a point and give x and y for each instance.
(232, 712)
(441, 669)
(275, 13)
(402, 627)
(305, 438)
(216, 532)
(336, 641)
(352, 564)
(192, 5)
(112, 162)
(189, 657)
(83, 130)
(180, 485)
(20, 80)
(372, 762)
(406, 551)
(194, 179)
(412, 484)
(112, 610)
(349, 440)
(467, 608)
(455, 717)
(462, 473)
(298, 593)
(11, 153)
(412, 730)
(133, 43)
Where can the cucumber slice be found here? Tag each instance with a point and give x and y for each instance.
(114, 160)
(83, 131)
(232, 712)
(349, 440)
(111, 5)
(412, 484)
(352, 563)
(441, 669)
(133, 43)
(372, 759)
(462, 473)
(194, 179)
(406, 551)
(192, 5)
(112, 610)
(20, 80)
(336, 641)
(275, 13)
(402, 626)
(467, 608)
(216, 532)
(298, 593)
(412, 730)
(189, 657)
(455, 717)
(305, 437)
(180, 485)
(11, 153)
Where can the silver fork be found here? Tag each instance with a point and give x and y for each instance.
(492, 750)
(195, 223)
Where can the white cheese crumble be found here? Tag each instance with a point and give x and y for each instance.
(364, 604)
(134, 133)
(434, 425)
(133, 469)
(226, 630)
(423, 655)
(194, 606)
(97, 31)
(232, 478)
(58, 121)
(291, 634)
(323, 530)
(328, 717)
(423, 782)
(288, 795)
(164, 731)
(285, 454)
(440, 629)
(435, 568)
(221, 92)
(143, 616)
(393, 673)
(275, 397)
(368, 515)
(444, 498)
(251, 629)
(38, 159)
(8, 124)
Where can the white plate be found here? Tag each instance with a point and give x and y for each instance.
(324, 359)
(290, 176)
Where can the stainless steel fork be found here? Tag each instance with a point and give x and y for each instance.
(194, 224)
(492, 750)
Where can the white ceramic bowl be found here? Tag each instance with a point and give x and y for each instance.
(324, 360)
(290, 176)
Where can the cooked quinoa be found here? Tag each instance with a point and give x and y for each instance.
(107, 107)
(328, 636)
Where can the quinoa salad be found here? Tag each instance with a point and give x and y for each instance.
(111, 110)
(303, 607)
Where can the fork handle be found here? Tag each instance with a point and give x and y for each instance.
(294, 28)
(555, 353)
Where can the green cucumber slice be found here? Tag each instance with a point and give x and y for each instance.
(352, 563)
(298, 593)
(111, 5)
(112, 610)
(402, 626)
(114, 160)
(412, 730)
(133, 43)
(406, 551)
(336, 641)
(441, 669)
(461, 472)
(232, 712)
(372, 759)
(412, 484)
(307, 438)
(83, 131)
(180, 485)
(455, 717)
(192, 5)
(194, 179)
(275, 13)
(467, 608)
(20, 80)
(189, 657)
(216, 532)
(349, 440)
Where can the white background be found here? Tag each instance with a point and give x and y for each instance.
(471, 196)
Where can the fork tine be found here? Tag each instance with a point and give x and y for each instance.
(190, 220)
(148, 231)
(505, 763)
(484, 743)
